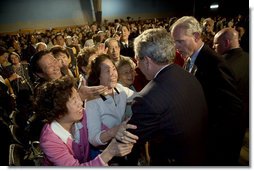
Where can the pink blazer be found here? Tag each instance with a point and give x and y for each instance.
(69, 153)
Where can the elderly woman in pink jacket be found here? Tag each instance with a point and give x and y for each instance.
(64, 137)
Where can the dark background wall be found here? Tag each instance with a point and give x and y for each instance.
(38, 14)
(227, 8)
(145, 9)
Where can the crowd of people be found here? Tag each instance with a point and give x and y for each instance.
(160, 92)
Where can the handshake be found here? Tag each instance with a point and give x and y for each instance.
(122, 143)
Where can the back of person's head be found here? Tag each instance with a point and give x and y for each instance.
(208, 21)
(51, 99)
(156, 44)
(94, 75)
(226, 39)
(35, 67)
(188, 23)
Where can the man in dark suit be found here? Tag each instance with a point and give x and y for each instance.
(219, 85)
(226, 43)
(170, 112)
(126, 45)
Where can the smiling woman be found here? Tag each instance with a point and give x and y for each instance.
(105, 114)
(64, 137)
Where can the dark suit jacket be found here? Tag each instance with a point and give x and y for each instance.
(224, 104)
(171, 113)
(127, 51)
(238, 60)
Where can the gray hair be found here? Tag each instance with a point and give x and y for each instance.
(156, 44)
(108, 40)
(189, 23)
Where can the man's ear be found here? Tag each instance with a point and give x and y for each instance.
(149, 59)
(149, 62)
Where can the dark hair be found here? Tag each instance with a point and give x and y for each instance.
(83, 57)
(94, 75)
(2, 50)
(34, 66)
(119, 28)
(50, 102)
(59, 34)
(16, 54)
(59, 49)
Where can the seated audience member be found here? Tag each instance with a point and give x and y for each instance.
(61, 42)
(40, 46)
(207, 31)
(64, 60)
(46, 68)
(114, 50)
(84, 59)
(64, 138)
(126, 45)
(126, 73)
(105, 115)
(126, 76)
(6, 70)
(22, 86)
(7, 102)
(114, 53)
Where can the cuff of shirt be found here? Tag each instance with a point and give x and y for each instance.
(98, 140)
(102, 162)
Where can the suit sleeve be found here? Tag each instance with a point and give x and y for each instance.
(145, 118)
